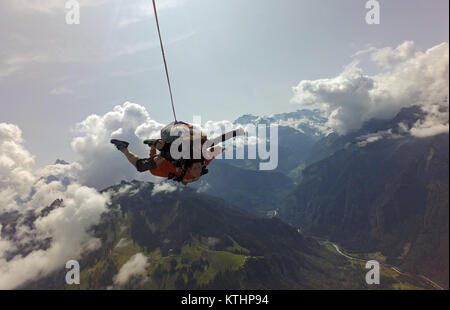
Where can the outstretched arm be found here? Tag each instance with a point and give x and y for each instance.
(132, 158)
(226, 136)
(213, 152)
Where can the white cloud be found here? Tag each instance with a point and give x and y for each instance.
(135, 267)
(128, 190)
(429, 128)
(343, 97)
(163, 187)
(24, 190)
(436, 121)
(374, 137)
(409, 77)
(15, 163)
(102, 164)
(389, 57)
(66, 226)
(60, 171)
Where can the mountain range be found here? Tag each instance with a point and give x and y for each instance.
(185, 240)
(378, 192)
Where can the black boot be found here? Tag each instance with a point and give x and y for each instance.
(121, 145)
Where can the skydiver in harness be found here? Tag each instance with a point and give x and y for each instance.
(184, 170)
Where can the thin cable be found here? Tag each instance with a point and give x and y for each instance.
(164, 58)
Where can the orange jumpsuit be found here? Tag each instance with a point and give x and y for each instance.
(166, 167)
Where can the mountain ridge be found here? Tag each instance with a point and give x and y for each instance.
(379, 190)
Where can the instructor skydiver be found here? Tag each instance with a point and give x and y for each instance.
(162, 167)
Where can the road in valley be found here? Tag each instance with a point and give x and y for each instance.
(432, 283)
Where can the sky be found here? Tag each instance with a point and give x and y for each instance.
(225, 58)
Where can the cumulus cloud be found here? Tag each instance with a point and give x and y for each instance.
(37, 242)
(65, 226)
(389, 57)
(128, 190)
(66, 173)
(15, 163)
(135, 267)
(102, 164)
(408, 77)
(163, 187)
